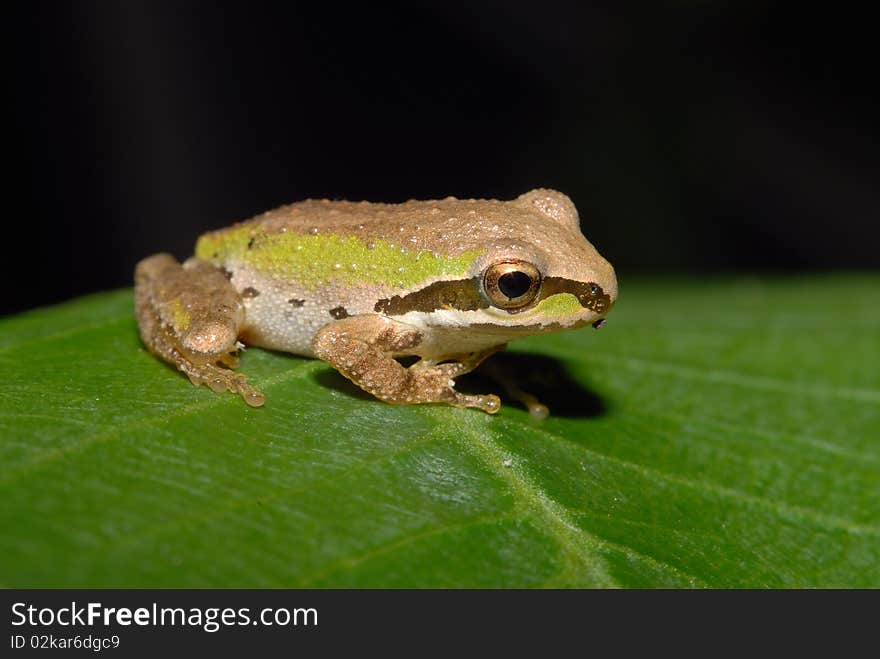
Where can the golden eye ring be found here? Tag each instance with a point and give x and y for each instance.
(511, 284)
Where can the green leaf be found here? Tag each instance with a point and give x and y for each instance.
(721, 433)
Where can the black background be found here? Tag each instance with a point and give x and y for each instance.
(693, 136)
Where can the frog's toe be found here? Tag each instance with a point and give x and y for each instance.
(222, 379)
(489, 403)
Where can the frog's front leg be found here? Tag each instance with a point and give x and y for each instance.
(362, 349)
(190, 317)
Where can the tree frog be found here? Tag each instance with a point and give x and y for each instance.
(446, 282)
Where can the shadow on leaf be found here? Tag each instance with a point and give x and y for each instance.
(543, 377)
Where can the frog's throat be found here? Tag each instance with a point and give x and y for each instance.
(558, 297)
(316, 260)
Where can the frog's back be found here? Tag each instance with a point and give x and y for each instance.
(449, 225)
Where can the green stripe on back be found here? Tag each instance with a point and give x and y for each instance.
(316, 260)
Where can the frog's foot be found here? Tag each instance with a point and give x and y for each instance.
(495, 372)
(190, 317)
(362, 347)
(537, 409)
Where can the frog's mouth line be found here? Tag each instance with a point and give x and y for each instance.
(526, 330)
(467, 295)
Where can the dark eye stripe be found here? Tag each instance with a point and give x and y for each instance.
(462, 294)
(465, 295)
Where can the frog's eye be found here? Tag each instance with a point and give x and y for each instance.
(511, 284)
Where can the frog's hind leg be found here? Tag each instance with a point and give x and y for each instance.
(189, 315)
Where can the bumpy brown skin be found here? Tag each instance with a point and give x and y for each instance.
(168, 297)
(361, 348)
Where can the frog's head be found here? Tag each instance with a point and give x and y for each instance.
(549, 277)
(535, 273)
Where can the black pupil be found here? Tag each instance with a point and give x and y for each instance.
(514, 284)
